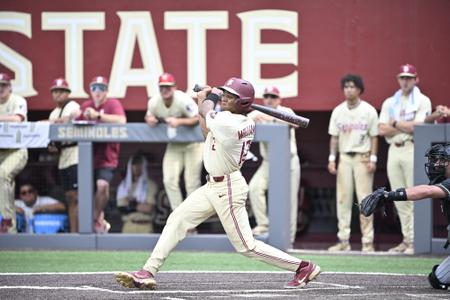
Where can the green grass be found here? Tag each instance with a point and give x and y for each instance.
(90, 261)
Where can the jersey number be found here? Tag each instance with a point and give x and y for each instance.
(244, 151)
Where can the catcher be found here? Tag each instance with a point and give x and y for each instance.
(438, 171)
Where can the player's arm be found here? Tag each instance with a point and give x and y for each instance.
(387, 130)
(205, 106)
(12, 118)
(107, 118)
(59, 206)
(187, 121)
(420, 192)
(334, 141)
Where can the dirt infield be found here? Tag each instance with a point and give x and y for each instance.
(218, 285)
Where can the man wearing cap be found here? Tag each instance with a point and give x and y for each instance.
(260, 181)
(106, 155)
(13, 108)
(353, 131)
(68, 151)
(176, 108)
(399, 113)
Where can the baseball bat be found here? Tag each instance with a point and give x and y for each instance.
(287, 117)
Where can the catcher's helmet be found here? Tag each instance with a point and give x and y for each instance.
(438, 160)
(243, 90)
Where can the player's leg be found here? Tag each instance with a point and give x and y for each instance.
(173, 162)
(344, 201)
(69, 179)
(397, 179)
(191, 212)
(193, 163)
(364, 186)
(103, 177)
(257, 194)
(295, 185)
(11, 163)
(439, 278)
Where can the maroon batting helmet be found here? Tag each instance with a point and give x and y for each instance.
(243, 90)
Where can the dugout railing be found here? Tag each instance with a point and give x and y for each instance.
(277, 137)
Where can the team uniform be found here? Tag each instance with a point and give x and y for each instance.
(178, 156)
(68, 156)
(400, 165)
(260, 181)
(354, 129)
(12, 161)
(225, 193)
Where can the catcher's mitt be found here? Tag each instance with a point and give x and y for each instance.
(373, 202)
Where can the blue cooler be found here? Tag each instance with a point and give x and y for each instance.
(50, 223)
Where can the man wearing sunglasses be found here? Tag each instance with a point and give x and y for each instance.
(399, 113)
(260, 181)
(106, 155)
(13, 108)
(176, 108)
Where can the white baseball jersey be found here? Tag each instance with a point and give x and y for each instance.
(68, 156)
(405, 109)
(15, 105)
(227, 143)
(183, 106)
(354, 127)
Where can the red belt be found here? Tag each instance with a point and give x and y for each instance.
(215, 178)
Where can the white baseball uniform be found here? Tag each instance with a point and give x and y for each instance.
(178, 156)
(260, 181)
(12, 161)
(225, 193)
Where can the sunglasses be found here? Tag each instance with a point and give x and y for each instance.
(98, 87)
(25, 192)
(270, 96)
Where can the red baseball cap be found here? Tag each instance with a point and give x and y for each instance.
(166, 79)
(5, 78)
(271, 90)
(60, 84)
(99, 80)
(407, 70)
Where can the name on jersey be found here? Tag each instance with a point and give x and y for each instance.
(249, 130)
(348, 127)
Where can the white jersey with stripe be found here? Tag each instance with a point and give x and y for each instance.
(227, 143)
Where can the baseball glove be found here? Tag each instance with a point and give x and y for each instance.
(373, 202)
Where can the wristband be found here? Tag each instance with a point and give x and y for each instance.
(397, 195)
(373, 158)
(332, 158)
(394, 124)
(212, 97)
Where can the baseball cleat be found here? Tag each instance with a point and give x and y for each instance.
(303, 275)
(141, 279)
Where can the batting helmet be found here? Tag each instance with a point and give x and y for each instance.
(243, 90)
(438, 160)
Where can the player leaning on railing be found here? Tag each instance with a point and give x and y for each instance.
(438, 171)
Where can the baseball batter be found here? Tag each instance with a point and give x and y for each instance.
(399, 113)
(438, 171)
(260, 181)
(229, 134)
(13, 108)
(176, 108)
(354, 134)
(68, 151)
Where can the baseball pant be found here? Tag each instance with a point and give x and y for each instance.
(258, 187)
(443, 271)
(352, 174)
(176, 158)
(12, 161)
(400, 170)
(227, 199)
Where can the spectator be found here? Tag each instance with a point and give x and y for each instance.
(30, 203)
(176, 108)
(354, 134)
(260, 181)
(106, 155)
(399, 113)
(68, 151)
(136, 197)
(13, 108)
(440, 115)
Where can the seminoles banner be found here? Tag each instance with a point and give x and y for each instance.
(302, 47)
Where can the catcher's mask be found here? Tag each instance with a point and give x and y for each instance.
(438, 160)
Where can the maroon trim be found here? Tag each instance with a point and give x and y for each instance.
(236, 224)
